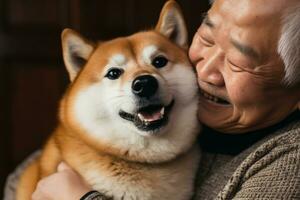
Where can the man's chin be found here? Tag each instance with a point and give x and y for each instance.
(221, 120)
(223, 124)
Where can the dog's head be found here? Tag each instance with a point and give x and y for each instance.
(134, 97)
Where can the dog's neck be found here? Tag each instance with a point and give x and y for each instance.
(69, 141)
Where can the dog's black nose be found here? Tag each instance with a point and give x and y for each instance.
(144, 86)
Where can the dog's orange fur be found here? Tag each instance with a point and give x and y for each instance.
(64, 144)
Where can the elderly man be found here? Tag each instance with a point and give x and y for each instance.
(247, 55)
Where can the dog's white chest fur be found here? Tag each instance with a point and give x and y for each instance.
(160, 182)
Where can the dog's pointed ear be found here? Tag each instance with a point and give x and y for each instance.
(76, 51)
(171, 23)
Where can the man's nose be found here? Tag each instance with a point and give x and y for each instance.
(209, 68)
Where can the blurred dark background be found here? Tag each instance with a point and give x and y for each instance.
(32, 74)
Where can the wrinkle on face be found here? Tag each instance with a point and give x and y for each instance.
(242, 43)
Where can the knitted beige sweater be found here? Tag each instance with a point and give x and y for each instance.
(268, 169)
(264, 165)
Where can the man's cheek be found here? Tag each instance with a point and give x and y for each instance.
(240, 90)
(239, 96)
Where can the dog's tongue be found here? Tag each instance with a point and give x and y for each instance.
(151, 116)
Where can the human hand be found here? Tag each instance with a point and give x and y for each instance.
(65, 184)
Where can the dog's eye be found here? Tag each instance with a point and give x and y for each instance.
(160, 61)
(114, 73)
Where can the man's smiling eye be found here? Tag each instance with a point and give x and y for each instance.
(159, 61)
(206, 42)
(114, 73)
(234, 67)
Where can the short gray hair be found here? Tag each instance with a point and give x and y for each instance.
(289, 45)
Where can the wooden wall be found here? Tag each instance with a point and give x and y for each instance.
(32, 75)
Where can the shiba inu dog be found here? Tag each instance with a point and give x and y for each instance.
(128, 121)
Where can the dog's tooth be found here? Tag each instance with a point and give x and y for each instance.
(141, 117)
(162, 112)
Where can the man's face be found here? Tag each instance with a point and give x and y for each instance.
(239, 70)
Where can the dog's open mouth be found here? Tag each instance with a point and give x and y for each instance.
(149, 118)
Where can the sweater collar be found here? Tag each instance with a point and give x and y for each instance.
(215, 142)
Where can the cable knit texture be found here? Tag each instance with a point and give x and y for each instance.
(269, 169)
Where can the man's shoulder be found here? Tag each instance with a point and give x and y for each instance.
(288, 136)
(276, 146)
(280, 149)
(269, 166)
(270, 170)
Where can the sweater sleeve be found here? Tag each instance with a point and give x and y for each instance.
(272, 172)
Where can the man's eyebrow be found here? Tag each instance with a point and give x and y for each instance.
(245, 49)
(206, 20)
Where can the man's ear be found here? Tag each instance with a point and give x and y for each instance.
(171, 24)
(76, 51)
